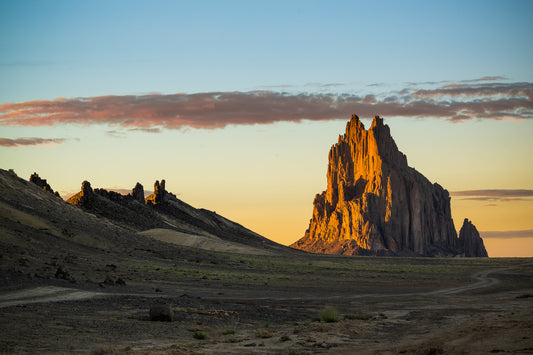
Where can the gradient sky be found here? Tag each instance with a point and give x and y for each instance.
(236, 103)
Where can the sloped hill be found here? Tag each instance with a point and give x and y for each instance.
(40, 232)
(164, 210)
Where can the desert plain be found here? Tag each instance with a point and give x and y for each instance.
(290, 303)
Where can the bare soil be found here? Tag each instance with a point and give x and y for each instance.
(306, 304)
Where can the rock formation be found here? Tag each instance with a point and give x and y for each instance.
(375, 204)
(138, 193)
(84, 197)
(470, 240)
(159, 194)
(34, 178)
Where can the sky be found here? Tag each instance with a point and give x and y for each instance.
(237, 103)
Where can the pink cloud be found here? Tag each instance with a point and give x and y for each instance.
(494, 194)
(218, 109)
(7, 142)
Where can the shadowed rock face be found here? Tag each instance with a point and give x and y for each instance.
(375, 204)
(36, 179)
(470, 240)
(84, 197)
(138, 193)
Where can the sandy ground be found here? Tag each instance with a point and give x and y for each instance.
(201, 242)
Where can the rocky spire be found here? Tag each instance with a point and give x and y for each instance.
(84, 197)
(138, 193)
(470, 241)
(34, 178)
(375, 203)
(159, 193)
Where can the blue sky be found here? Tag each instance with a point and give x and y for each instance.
(264, 88)
(90, 48)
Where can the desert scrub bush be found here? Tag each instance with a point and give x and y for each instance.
(329, 315)
(228, 331)
(264, 334)
(361, 316)
(199, 335)
(104, 350)
(284, 338)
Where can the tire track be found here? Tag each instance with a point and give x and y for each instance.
(45, 294)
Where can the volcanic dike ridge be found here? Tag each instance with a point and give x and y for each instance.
(375, 204)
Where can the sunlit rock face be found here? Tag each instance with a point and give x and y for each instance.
(83, 198)
(159, 194)
(375, 204)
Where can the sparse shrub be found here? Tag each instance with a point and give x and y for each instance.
(199, 335)
(361, 316)
(264, 334)
(329, 315)
(228, 331)
(285, 338)
(104, 350)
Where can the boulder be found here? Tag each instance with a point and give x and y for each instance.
(63, 274)
(161, 313)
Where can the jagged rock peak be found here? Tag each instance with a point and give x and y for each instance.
(137, 193)
(159, 193)
(470, 240)
(86, 188)
(84, 197)
(42, 183)
(375, 203)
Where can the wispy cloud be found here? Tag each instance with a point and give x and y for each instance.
(493, 194)
(507, 234)
(147, 129)
(454, 102)
(485, 78)
(280, 86)
(325, 85)
(7, 142)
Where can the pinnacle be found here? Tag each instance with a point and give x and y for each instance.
(375, 204)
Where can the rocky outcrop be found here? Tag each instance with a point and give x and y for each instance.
(470, 241)
(159, 194)
(110, 194)
(375, 204)
(84, 197)
(34, 178)
(137, 193)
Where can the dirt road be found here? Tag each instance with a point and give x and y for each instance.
(59, 294)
